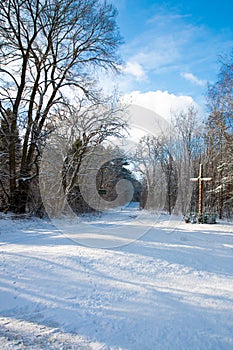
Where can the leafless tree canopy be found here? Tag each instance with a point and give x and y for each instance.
(48, 48)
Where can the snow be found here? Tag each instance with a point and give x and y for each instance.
(171, 288)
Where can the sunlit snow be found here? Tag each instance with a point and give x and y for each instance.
(170, 289)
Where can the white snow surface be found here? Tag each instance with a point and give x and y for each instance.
(170, 289)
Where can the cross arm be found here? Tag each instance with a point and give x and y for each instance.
(194, 179)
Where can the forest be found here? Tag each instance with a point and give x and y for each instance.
(51, 54)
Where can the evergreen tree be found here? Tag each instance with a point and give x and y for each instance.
(219, 138)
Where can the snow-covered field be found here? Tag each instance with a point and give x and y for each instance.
(170, 289)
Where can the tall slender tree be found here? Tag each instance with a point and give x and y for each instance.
(186, 145)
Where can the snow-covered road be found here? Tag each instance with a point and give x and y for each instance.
(170, 289)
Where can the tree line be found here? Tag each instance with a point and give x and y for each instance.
(194, 140)
(51, 53)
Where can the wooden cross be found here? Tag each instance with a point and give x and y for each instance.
(200, 179)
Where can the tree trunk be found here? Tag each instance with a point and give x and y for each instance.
(12, 131)
(21, 197)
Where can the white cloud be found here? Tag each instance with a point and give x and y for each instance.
(153, 51)
(166, 45)
(193, 79)
(161, 102)
(162, 42)
(135, 69)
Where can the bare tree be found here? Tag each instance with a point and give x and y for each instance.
(48, 48)
(186, 145)
(78, 139)
(149, 162)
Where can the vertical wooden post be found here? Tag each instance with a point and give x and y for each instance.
(200, 208)
(200, 179)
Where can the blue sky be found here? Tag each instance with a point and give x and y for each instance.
(173, 46)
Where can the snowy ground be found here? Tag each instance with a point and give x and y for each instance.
(170, 289)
